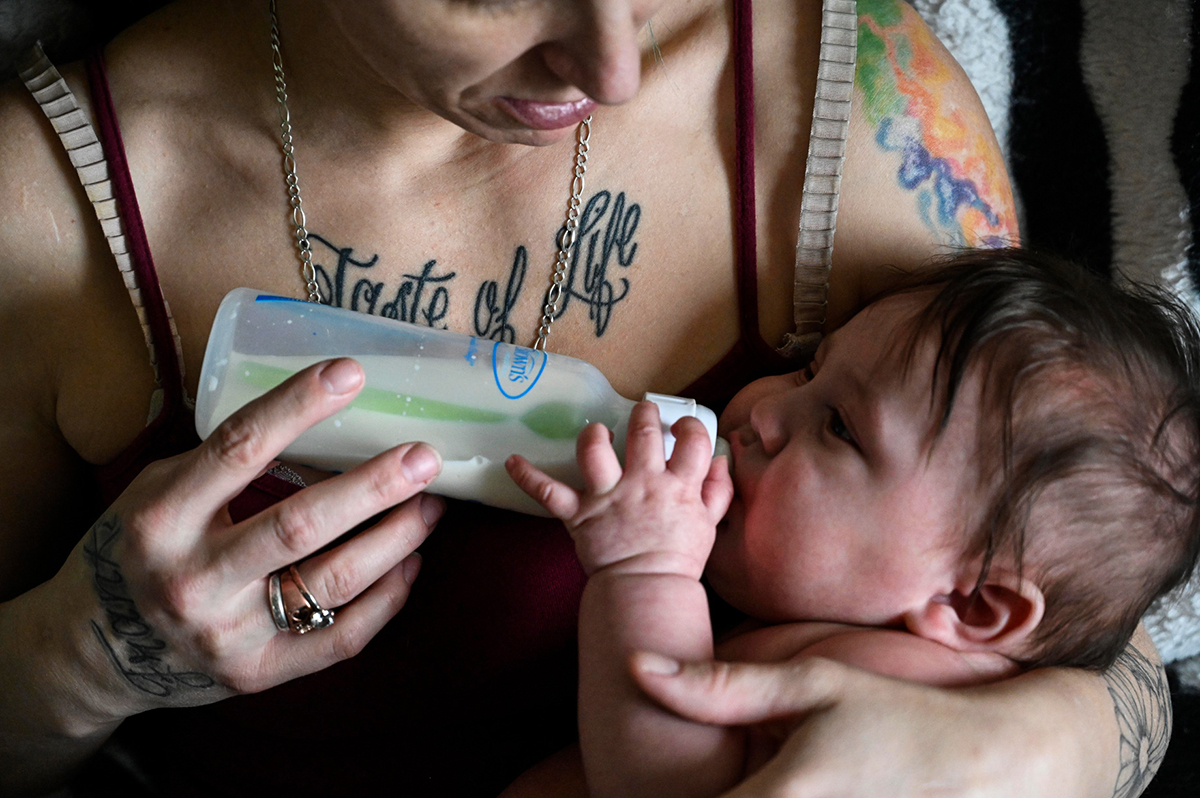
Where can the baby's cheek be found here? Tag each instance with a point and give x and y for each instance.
(728, 570)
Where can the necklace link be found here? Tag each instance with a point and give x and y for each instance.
(308, 271)
(567, 234)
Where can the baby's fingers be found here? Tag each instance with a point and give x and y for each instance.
(644, 439)
(717, 490)
(598, 463)
(561, 501)
(693, 450)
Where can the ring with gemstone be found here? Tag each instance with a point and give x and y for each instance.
(306, 614)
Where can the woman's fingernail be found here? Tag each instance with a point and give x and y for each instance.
(411, 567)
(647, 662)
(432, 508)
(341, 376)
(420, 463)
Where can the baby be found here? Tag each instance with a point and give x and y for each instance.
(992, 468)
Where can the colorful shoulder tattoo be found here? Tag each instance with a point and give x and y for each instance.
(961, 182)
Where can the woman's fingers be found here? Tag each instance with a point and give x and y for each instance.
(242, 446)
(296, 527)
(292, 655)
(561, 501)
(336, 577)
(739, 693)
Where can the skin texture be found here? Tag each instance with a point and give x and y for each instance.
(388, 180)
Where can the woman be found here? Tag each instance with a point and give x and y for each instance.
(418, 205)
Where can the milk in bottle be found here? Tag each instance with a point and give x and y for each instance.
(475, 400)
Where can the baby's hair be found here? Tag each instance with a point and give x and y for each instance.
(1096, 492)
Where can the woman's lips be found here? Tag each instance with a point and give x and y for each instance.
(548, 116)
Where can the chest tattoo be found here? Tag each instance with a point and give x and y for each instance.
(422, 297)
(596, 278)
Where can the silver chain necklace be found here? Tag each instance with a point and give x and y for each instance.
(308, 272)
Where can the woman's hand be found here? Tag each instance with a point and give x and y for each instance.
(838, 731)
(174, 595)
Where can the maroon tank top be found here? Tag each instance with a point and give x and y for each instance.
(474, 681)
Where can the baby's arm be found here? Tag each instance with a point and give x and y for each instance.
(643, 536)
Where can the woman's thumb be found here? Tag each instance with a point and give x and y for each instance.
(739, 693)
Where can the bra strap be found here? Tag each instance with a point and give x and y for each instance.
(823, 175)
(84, 149)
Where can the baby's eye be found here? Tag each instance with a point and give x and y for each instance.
(807, 372)
(839, 428)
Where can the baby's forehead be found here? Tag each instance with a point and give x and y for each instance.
(890, 336)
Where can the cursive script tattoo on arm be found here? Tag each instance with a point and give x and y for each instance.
(131, 643)
(1142, 702)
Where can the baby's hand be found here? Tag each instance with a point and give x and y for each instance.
(656, 516)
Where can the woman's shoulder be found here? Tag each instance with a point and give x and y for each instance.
(923, 171)
(64, 301)
(38, 200)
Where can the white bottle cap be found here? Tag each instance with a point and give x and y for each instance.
(673, 408)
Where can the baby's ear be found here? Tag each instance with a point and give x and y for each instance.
(999, 617)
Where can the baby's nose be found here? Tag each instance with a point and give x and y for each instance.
(767, 426)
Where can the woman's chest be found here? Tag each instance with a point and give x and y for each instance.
(646, 289)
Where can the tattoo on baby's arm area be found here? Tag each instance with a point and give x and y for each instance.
(1142, 702)
(946, 157)
(131, 643)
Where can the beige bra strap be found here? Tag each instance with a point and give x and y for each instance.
(823, 175)
(83, 147)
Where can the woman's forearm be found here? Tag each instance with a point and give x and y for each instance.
(1050, 733)
(1141, 702)
(1106, 739)
(53, 714)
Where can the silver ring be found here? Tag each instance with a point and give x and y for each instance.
(311, 615)
(275, 599)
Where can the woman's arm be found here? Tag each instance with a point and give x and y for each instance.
(163, 603)
(924, 174)
(1054, 732)
(1141, 703)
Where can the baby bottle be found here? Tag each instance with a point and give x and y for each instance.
(475, 400)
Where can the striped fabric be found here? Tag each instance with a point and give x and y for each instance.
(83, 147)
(823, 174)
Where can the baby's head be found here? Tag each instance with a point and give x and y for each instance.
(1001, 455)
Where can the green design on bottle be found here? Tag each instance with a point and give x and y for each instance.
(559, 420)
(552, 420)
(380, 401)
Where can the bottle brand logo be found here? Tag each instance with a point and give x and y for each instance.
(516, 369)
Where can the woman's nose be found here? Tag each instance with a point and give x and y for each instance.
(599, 53)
